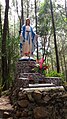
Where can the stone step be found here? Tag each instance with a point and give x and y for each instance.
(44, 88)
(41, 85)
(41, 79)
(21, 78)
(28, 73)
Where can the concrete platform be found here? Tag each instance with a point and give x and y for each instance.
(61, 88)
(41, 85)
(26, 58)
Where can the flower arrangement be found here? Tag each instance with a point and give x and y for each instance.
(41, 66)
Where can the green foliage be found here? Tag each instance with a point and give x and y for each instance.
(13, 55)
(44, 18)
(55, 74)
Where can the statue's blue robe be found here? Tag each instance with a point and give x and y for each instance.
(23, 29)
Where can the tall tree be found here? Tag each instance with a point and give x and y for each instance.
(44, 19)
(4, 52)
(22, 13)
(54, 30)
(0, 22)
(66, 8)
(21, 18)
(8, 57)
(36, 24)
(27, 8)
(36, 15)
(0, 37)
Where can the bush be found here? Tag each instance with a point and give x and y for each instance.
(55, 74)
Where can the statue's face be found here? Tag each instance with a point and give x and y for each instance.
(28, 22)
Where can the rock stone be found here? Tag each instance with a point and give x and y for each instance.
(64, 96)
(22, 95)
(23, 103)
(30, 98)
(37, 95)
(18, 114)
(40, 112)
(24, 114)
(46, 98)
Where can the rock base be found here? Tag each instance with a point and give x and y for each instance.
(40, 104)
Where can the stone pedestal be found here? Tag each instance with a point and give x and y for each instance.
(36, 103)
(25, 75)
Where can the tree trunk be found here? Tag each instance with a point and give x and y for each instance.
(66, 19)
(66, 8)
(9, 58)
(44, 46)
(51, 61)
(4, 52)
(61, 61)
(22, 13)
(36, 15)
(65, 65)
(54, 30)
(22, 16)
(21, 19)
(0, 22)
(36, 25)
(0, 38)
(14, 26)
(27, 8)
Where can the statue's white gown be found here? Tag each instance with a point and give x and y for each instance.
(27, 45)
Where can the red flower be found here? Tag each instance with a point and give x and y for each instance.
(41, 61)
